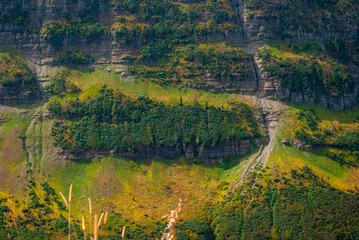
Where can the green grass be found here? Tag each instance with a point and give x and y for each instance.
(78, 173)
(346, 116)
(9, 126)
(316, 160)
(11, 146)
(90, 81)
(9, 50)
(136, 188)
(284, 158)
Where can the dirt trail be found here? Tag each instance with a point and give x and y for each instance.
(269, 117)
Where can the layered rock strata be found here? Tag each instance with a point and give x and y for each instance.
(210, 155)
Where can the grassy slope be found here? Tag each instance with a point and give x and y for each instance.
(90, 81)
(164, 183)
(145, 191)
(13, 156)
(138, 189)
(284, 158)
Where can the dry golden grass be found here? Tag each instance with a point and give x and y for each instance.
(97, 222)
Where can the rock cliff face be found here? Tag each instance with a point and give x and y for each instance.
(252, 30)
(264, 27)
(209, 155)
(267, 30)
(244, 83)
(41, 12)
(19, 95)
(269, 87)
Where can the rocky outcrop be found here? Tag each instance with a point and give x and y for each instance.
(41, 12)
(266, 29)
(28, 40)
(224, 151)
(269, 87)
(252, 29)
(210, 155)
(19, 95)
(244, 83)
(305, 147)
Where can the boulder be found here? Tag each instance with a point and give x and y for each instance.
(300, 145)
(286, 142)
(312, 148)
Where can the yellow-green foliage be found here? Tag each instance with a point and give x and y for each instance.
(197, 64)
(11, 145)
(307, 14)
(306, 68)
(158, 19)
(284, 158)
(14, 71)
(137, 189)
(91, 81)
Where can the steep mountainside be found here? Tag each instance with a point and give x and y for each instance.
(246, 110)
(116, 32)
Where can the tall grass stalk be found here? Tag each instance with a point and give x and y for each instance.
(83, 226)
(169, 232)
(68, 205)
(123, 232)
(95, 228)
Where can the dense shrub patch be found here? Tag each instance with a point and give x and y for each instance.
(193, 64)
(338, 146)
(74, 58)
(73, 31)
(150, 21)
(290, 213)
(304, 68)
(14, 71)
(60, 85)
(111, 121)
(308, 14)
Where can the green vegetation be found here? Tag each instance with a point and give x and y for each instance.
(144, 22)
(192, 64)
(73, 30)
(195, 230)
(112, 121)
(346, 51)
(349, 140)
(17, 17)
(339, 144)
(15, 72)
(74, 58)
(156, 50)
(60, 85)
(290, 213)
(308, 14)
(305, 68)
(148, 21)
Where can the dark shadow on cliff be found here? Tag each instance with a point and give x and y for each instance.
(226, 164)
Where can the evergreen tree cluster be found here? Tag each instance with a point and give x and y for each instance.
(307, 72)
(74, 58)
(193, 63)
(292, 213)
(73, 30)
(307, 15)
(112, 121)
(160, 19)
